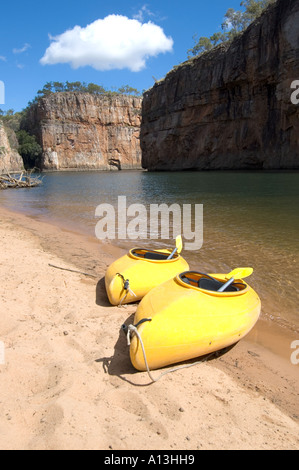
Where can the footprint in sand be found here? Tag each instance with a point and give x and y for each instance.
(133, 404)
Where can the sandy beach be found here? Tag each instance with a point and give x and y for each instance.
(67, 381)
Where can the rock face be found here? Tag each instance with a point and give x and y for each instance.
(83, 131)
(10, 160)
(230, 108)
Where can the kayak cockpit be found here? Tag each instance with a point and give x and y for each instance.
(209, 283)
(152, 255)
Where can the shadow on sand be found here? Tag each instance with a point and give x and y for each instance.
(119, 364)
(101, 295)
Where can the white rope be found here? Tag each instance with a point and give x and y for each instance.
(128, 291)
(133, 330)
(127, 288)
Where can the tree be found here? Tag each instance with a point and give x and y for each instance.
(95, 89)
(29, 149)
(234, 23)
(69, 86)
(254, 9)
(58, 87)
(217, 37)
(204, 44)
(47, 89)
(128, 90)
(11, 119)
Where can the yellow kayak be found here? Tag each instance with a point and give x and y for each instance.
(132, 276)
(186, 317)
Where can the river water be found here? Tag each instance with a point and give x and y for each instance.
(249, 219)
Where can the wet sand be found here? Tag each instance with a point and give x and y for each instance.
(67, 381)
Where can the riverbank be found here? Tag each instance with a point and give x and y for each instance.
(67, 381)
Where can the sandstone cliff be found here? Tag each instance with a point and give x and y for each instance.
(83, 131)
(10, 160)
(230, 108)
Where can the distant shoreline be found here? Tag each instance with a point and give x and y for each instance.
(143, 170)
(91, 170)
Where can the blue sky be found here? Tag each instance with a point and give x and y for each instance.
(43, 42)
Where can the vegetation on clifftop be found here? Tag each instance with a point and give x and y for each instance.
(235, 22)
(79, 87)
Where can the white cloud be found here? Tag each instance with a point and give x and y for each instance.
(144, 11)
(115, 42)
(3, 58)
(23, 49)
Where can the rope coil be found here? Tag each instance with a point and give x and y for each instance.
(130, 330)
(127, 288)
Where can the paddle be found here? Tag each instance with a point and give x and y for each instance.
(179, 247)
(239, 273)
